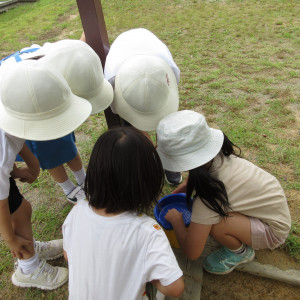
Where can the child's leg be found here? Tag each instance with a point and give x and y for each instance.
(21, 223)
(60, 175)
(233, 231)
(77, 168)
(31, 270)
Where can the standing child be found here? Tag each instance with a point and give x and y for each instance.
(35, 103)
(240, 205)
(113, 249)
(82, 69)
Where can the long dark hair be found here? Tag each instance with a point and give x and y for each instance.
(210, 190)
(124, 172)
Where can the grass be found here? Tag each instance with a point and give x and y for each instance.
(292, 243)
(239, 63)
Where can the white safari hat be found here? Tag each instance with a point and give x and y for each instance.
(36, 103)
(82, 68)
(185, 142)
(145, 91)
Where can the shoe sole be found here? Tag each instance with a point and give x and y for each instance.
(230, 270)
(172, 183)
(72, 202)
(32, 285)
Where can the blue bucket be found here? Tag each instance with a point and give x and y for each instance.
(172, 201)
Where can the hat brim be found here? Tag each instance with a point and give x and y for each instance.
(192, 160)
(48, 129)
(101, 98)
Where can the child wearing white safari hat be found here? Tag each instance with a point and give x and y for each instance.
(240, 205)
(82, 69)
(145, 78)
(35, 103)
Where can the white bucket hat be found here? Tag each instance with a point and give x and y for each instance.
(36, 103)
(185, 142)
(145, 91)
(82, 68)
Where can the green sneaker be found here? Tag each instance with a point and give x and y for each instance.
(45, 277)
(49, 250)
(223, 261)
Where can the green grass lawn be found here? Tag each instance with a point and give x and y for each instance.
(240, 67)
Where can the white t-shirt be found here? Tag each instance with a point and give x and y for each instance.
(10, 146)
(113, 257)
(251, 191)
(133, 42)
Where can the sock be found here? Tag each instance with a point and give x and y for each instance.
(240, 250)
(80, 176)
(68, 186)
(29, 265)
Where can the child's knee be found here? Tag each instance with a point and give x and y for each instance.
(24, 210)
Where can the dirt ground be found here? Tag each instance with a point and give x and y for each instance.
(240, 285)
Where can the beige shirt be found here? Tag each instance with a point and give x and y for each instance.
(251, 191)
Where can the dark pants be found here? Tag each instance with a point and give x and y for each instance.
(15, 198)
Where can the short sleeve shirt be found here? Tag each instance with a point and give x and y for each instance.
(10, 146)
(251, 191)
(114, 257)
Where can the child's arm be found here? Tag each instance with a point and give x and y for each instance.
(17, 244)
(31, 171)
(191, 241)
(65, 255)
(181, 188)
(175, 289)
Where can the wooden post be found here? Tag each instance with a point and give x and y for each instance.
(93, 24)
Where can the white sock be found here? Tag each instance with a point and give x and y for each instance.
(29, 265)
(80, 176)
(240, 250)
(68, 186)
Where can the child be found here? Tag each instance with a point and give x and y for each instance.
(145, 78)
(33, 110)
(82, 69)
(240, 205)
(118, 249)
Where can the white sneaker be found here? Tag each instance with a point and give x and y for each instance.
(49, 250)
(76, 195)
(45, 277)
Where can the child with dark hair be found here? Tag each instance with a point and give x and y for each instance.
(240, 205)
(113, 249)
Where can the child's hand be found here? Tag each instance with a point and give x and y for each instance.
(181, 188)
(19, 246)
(173, 215)
(24, 174)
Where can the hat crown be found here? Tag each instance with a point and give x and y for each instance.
(31, 90)
(183, 132)
(78, 63)
(145, 83)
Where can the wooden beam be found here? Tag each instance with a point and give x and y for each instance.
(93, 24)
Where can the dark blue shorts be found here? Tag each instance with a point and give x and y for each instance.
(54, 153)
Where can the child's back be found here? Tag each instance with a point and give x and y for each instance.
(112, 249)
(113, 257)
